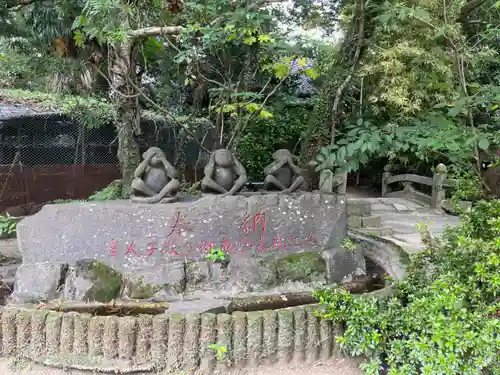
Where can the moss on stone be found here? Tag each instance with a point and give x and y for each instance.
(300, 267)
(106, 282)
(142, 290)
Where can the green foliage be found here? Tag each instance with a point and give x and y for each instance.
(444, 319)
(217, 255)
(220, 351)
(349, 245)
(91, 112)
(431, 139)
(111, 192)
(468, 185)
(264, 136)
(7, 225)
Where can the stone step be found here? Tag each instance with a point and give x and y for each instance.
(380, 232)
(372, 221)
(358, 208)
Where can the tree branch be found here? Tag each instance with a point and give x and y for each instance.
(355, 59)
(468, 8)
(146, 32)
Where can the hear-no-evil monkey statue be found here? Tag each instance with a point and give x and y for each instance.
(282, 174)
(224, 174)
(155, 179)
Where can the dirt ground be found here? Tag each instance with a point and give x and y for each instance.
(332, 367)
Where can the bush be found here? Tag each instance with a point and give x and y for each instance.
(444, 318)
(264, 136)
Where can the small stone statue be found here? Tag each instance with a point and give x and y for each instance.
(224, 174)
(282, 174)
(155, 179)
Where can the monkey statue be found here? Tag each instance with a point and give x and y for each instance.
(224, 174)
(282, 174)
(155, 179)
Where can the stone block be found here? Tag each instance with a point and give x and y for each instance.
(37, 282)
(341, 262)
(354, 222)
(160, 250)
(358, 208)
(371, 221)
(380, 232)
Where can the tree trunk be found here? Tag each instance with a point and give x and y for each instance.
(127, 112)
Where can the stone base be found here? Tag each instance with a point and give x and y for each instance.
(170, 342)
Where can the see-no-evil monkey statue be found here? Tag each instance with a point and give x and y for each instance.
(282, 174)
(224, 174)
(155, 179)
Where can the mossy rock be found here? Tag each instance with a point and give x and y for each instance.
(139, 289)
(103, 282)
(306, 267)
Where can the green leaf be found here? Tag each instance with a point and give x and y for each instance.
(281, 70)
(341, 154)
(264, 38)
(265, 114)
(249, 40)
(252, 107)
(483, 143)
(311, 73)
(325, 151)
(79, 38)
(352, 148)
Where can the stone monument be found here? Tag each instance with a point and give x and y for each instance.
(162, 251)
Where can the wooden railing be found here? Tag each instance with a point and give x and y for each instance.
(438, 182)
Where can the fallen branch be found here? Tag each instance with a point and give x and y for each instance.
(110, 308)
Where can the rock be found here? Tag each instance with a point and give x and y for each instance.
(38, 282)
(206, 275)
(306, 267)
(8, 272)
(91, 280)
(161, 249)
(156, 283)
(197, 274)
(241, 225)
(256, 274)
(341, 263)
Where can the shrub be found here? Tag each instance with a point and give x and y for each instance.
(444, 318)
(7, 225)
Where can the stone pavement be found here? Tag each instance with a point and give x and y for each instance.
(401, 217)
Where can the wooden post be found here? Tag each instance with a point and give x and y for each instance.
(385, 176)
(438, 193)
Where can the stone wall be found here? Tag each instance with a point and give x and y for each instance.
(170, 341)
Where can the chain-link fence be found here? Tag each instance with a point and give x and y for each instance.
(46, 156)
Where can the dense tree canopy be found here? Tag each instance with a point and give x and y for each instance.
(415, 83)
